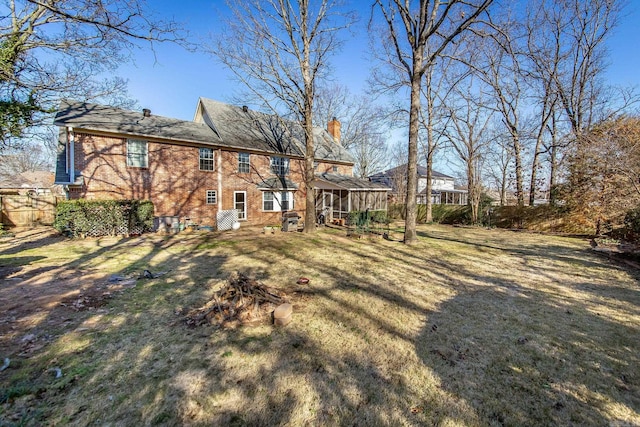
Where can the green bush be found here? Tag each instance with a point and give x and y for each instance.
(368, 219)
(450, 214)
(103, 217)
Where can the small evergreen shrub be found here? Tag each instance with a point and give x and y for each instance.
(81, 218)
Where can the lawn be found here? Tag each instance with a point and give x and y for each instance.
(467, 327)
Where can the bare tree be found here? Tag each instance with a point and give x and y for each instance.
(438, 85)
(469, 138)
(496, 59)
(14, 161)
(52, 49)
(583, 28)
(417, 34)
(363, 126)
(279, 49)
(398, 177)
(498, 164)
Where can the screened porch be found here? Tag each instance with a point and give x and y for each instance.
(337, 195)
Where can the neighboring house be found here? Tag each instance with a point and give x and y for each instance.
(227, 158)
(443, 188)
(30, 183)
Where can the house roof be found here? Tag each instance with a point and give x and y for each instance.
(329, 181)
(278, 183)
(244, 128)
(402, 170)
(102, 118)
(29, 179)
(217, 124)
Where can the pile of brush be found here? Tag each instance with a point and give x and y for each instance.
(241, 301)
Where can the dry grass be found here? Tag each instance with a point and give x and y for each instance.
(467, 327)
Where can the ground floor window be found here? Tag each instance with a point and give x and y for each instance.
(277, 201)
(212, 197)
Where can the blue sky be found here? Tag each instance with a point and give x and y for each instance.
(171, 83)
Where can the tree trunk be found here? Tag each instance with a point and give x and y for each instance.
(410, 235)
(518, 163)
(553, 161)
(474, 200)
(427, 190)
(430, 147)
(534, 171)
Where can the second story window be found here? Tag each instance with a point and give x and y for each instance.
(137, 153)
(243, 162)
(206, 159)
(280, 165)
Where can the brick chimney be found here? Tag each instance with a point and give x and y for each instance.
(333, 127)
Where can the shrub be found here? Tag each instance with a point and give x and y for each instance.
(103, 217)
(450, 214)
(632, 224)
(368, 219)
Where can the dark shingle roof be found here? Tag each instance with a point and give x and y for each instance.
(348, 182)
(114, 120)
(252, 130)
(219, 124)
(278, 183)
(29, 179)
(402, 170)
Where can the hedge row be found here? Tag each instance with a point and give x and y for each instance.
(82, 218)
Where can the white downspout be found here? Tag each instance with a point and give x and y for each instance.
(72, 155)
(219, 167)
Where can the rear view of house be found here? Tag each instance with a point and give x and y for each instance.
(228, 158)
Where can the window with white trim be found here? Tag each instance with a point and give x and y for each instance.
(240, 203)
(277, 201)
(137, 153)
(206, 159)
(212, 197)
(243, 163)
(280, 165)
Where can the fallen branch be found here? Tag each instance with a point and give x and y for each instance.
(241, 300)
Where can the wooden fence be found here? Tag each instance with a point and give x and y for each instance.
(24, 211)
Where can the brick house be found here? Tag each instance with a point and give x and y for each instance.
(227, 158)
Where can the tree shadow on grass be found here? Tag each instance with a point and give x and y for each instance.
(522, 357)
(140, 364)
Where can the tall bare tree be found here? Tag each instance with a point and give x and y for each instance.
(498, 165)
(469, 137)
(417, 33)
(280, 49)
(363, 126)
(55, 48)
(495, 57)
(438, 86)
(26, 159)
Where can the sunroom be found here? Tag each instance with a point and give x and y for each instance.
(337, 195)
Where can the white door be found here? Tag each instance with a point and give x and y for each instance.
(240, 203)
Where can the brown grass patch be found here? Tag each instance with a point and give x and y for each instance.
(467, 327)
